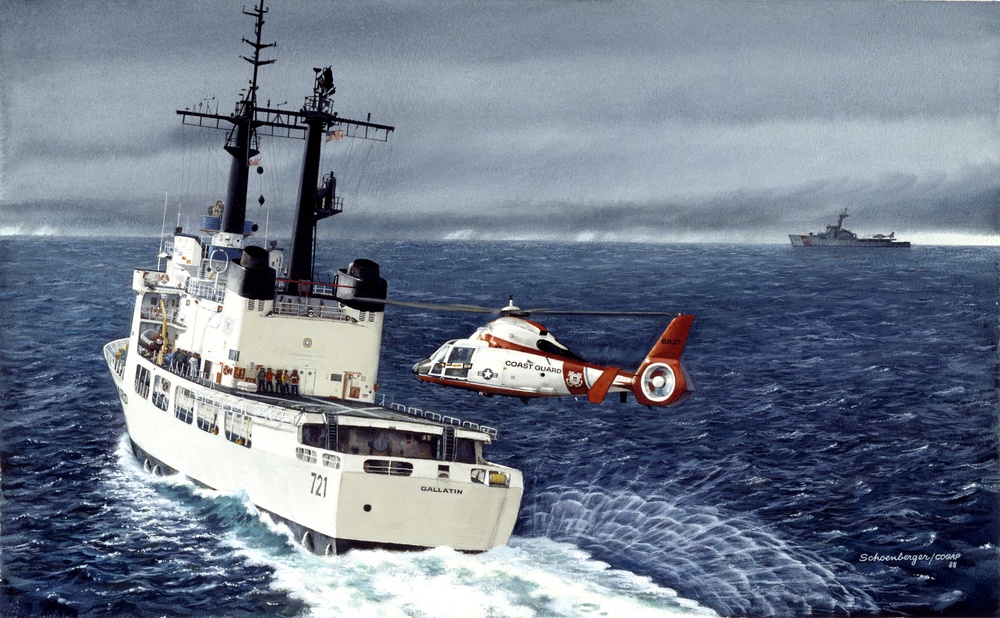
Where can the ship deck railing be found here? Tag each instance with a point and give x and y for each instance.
(114, 355)
(440, 418)
(320, 288)
(257, 410)
(208, 289)
(153, 313)
(304, 306)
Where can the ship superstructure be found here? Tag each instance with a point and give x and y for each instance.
(246, 373)
(839, 236)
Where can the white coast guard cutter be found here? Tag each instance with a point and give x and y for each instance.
(214, 326)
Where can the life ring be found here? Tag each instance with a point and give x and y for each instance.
(381, 442)
(163, 278)
(226, 369)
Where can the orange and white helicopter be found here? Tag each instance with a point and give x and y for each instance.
(517, 357)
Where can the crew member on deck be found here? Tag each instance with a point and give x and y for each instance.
(261, 375)
(293, 380)
(195, 362)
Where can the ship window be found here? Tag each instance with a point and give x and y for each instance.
(208, 417)
(391, 468)
(331, 461)
(184, 405)
(305, 454)
(238, 428)
(161, 393)
(313, 434)
(142, 381)
(183, 414)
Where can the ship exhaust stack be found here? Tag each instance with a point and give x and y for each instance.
(252, 276)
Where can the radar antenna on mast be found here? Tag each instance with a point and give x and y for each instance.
(258, 13)
(249, 122)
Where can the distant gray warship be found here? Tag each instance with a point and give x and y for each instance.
(839, 236)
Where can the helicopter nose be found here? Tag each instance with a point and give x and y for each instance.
(420, 367)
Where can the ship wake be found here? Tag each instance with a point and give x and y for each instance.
(727, 562)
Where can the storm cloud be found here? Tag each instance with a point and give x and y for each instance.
(659, 121)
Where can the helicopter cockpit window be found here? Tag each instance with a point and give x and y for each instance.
(459, 362)
(438, 358)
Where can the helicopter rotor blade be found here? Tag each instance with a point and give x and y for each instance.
(509, 310)
(433, 306)
(543, 310)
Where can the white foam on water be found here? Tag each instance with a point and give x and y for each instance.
(736, 566)
(531, 577)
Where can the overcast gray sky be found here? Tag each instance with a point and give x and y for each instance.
(572, 119)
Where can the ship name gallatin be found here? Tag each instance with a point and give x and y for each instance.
(441, 490)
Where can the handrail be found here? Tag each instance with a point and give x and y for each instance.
(324, 289)
(114, 356)
(203, 393)
(152, 313)
(308, 307)
(206, 288)
(448, 420)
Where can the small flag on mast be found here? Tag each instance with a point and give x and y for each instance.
(332, 135)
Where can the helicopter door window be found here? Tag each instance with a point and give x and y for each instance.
(459, 362)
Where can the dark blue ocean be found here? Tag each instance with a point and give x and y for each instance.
(838, 458)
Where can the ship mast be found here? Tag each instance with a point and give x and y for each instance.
(247, 123)
(840, 220)
(242, 141)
